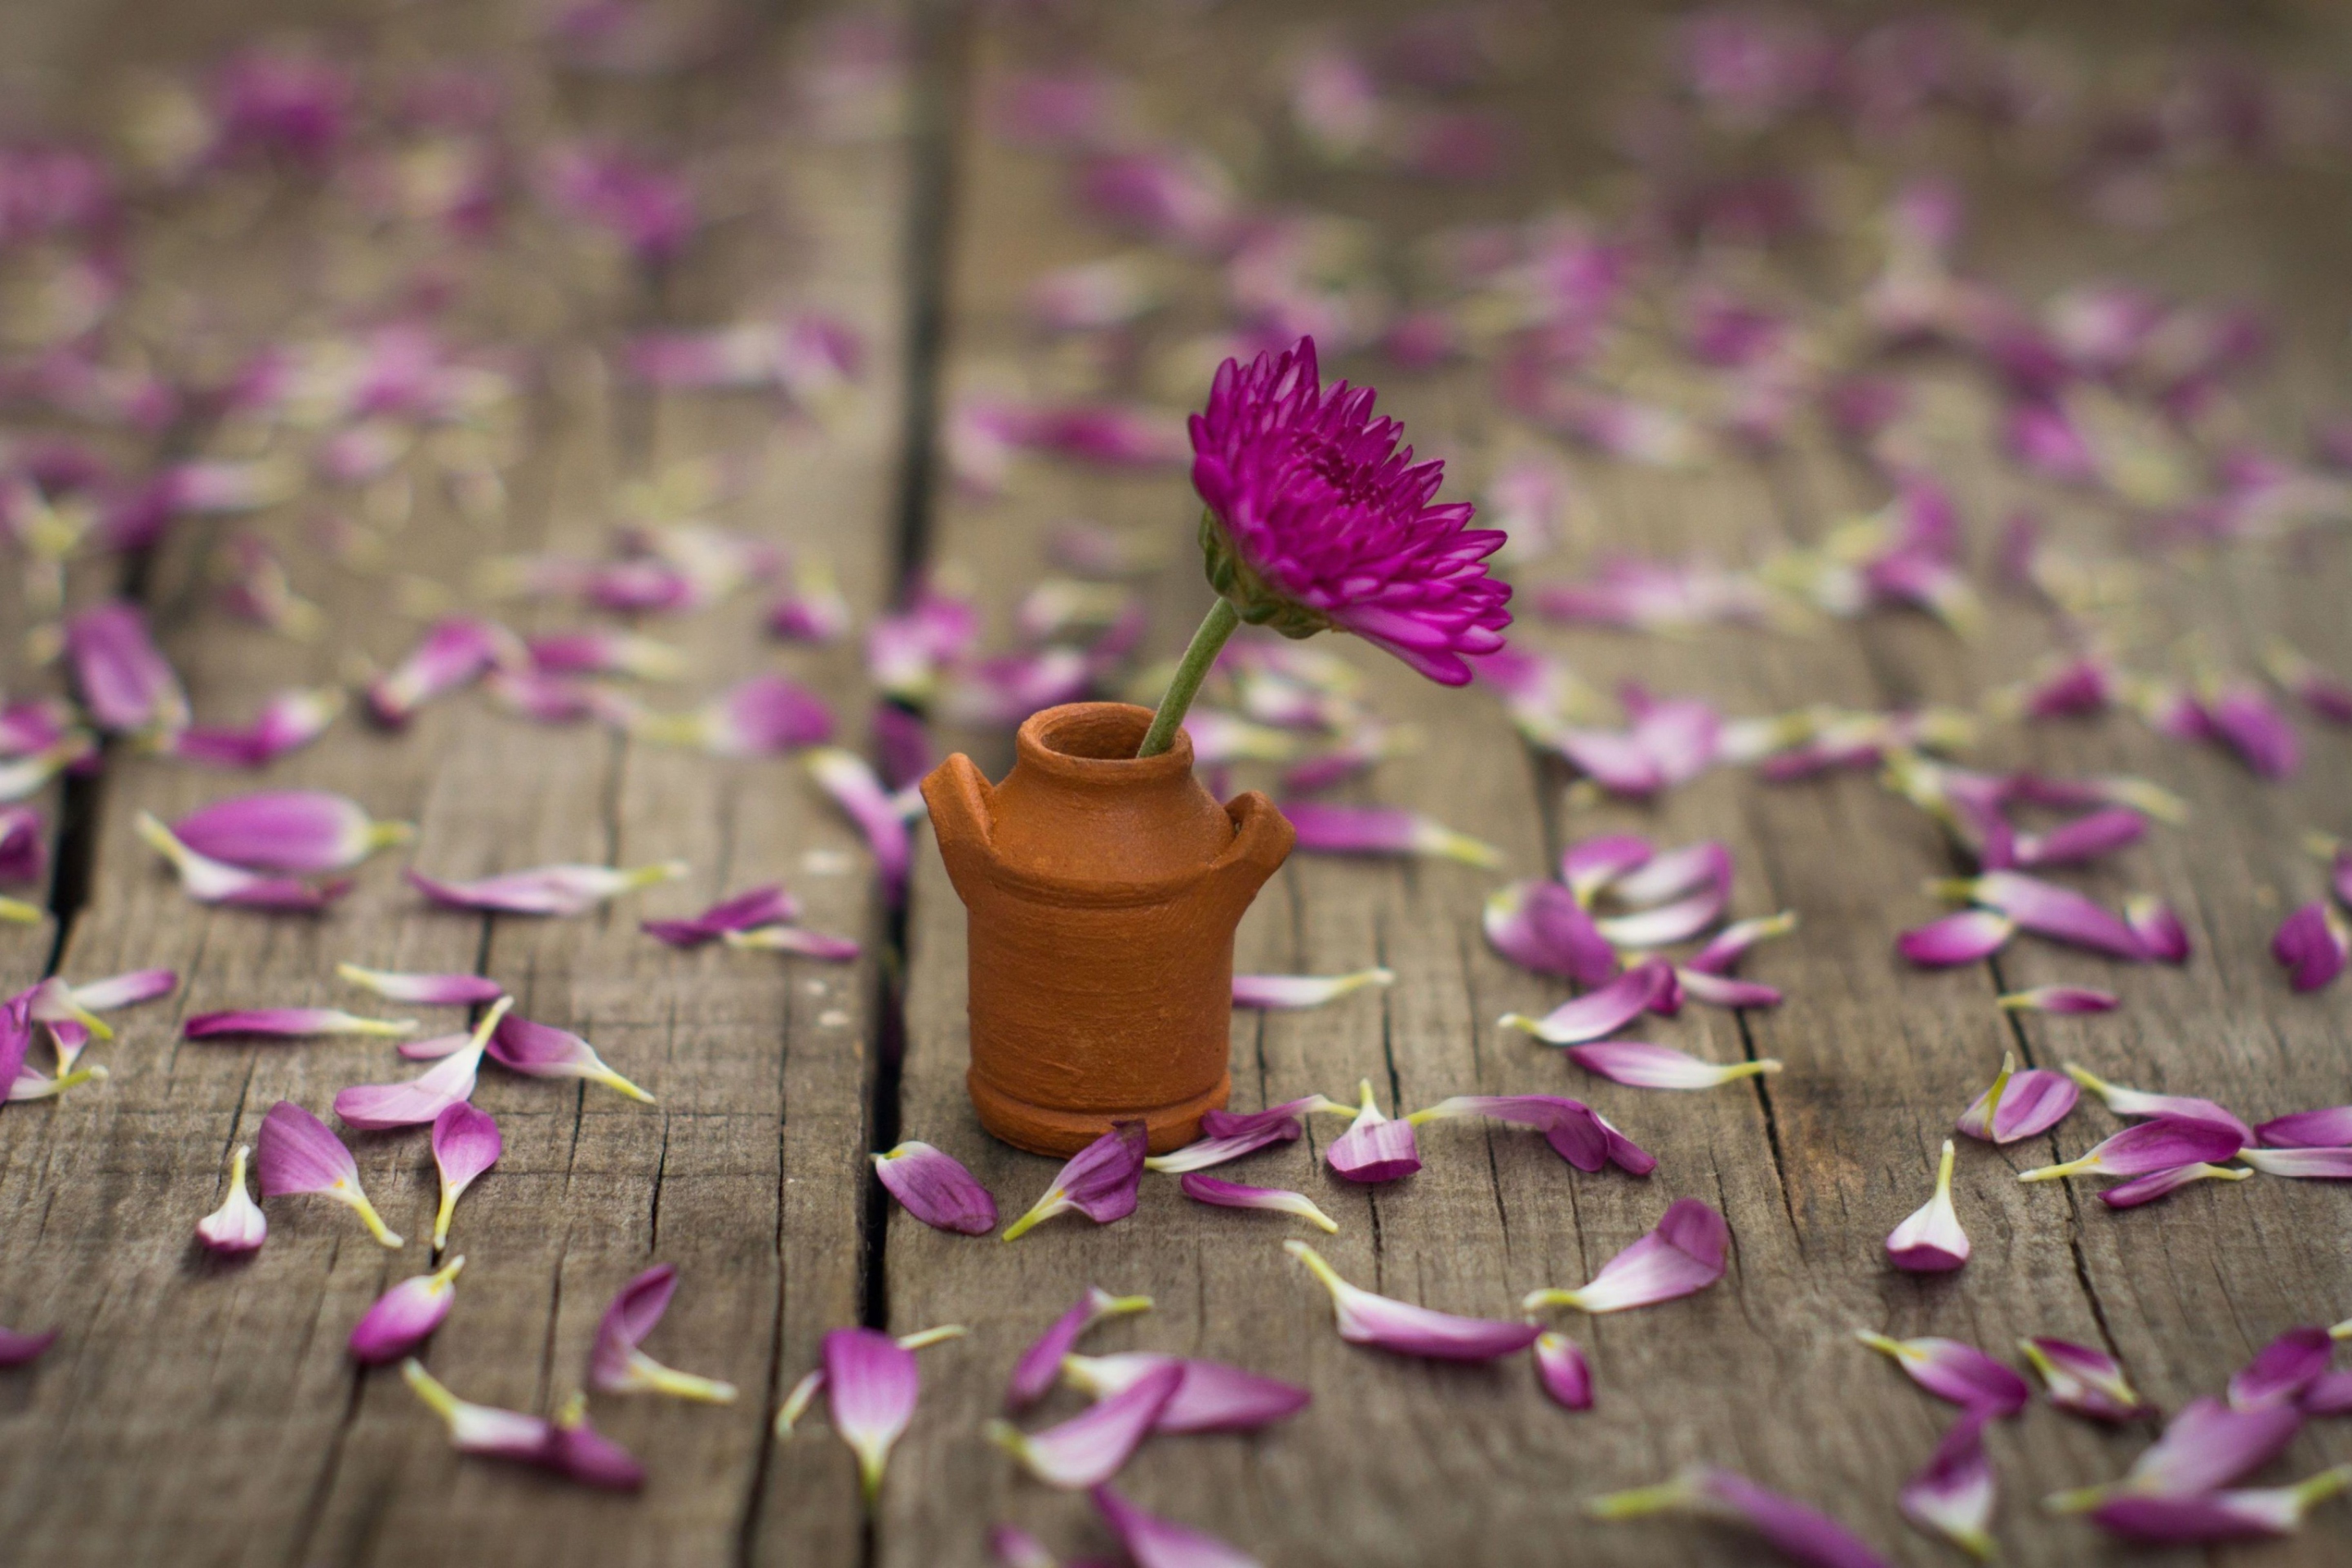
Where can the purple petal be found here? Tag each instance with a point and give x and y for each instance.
(2159, 928)
(2061, 999)
(1667, 923)
(2162, 1144)
(1366, 1319)
(1799, 1533)
(1681, 1255)
(1295, 991)
(296, 1154)
(769, 905)
(125, 682)
(2245, 720)
(1041, 1363)
(2058, 913)
(422, 1100)
(2312, 945)
(17, 1347)
(1089, 1449)
(24, 845)
(1374, 1149)
(1234, 1195)
(536, 1050)
(2136, 1102)
(466, 1143)
(2282, 1369)
(1575, 1132)
(1204, 1153)
(1381, 831)
(2162, 1183)
(1589, 867)
(2218, 1516)
(1155, 1542)
(1561, 1368)
(1540, 926)
(289, 1023)
(1729, 945)
(2328, 1129)
(1100, 1181)
(936, 1189)
(2306, 1164)
(854, 787)
(299, 831)
(2020, 1105)
(2207, 1445)
(125, 990)
(405, 1316)
(1957, 939)
(1952, 1495)
(544, 889)
(238, 1225)
(871, 1385)
(2086, 839)
(2088, 1382)
(1931, 1241)
(1959, 1372)
(1213, 1397)
(1599, 1013)
(1233, 1123)
(425, 989)
(1660, 1066)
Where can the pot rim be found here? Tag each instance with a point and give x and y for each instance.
(1034, 746)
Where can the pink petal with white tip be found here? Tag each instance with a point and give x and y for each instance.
(764, 906)
(1931, 1241)
(935, 1188)
(1100, 1181)
(2328, 1129)
(1599, 1013)
(238, 1225)
(1964, 937)
(2018, 1104)
(1373, 1149)
(1213, 1397)
(1089, 1449)
(1662, 1067)
(296, 830)
(211, 882)
(466, 1143)
(2138, 1102)
(1221, 1194)
(405, 1316)
(1683, 1254)
(1951, 1370)
(2087, 1381)
(1540, 926)
(1729, 946)
(1034, 1375)
(2162, 1183)
(2159, 928)
(125, 990)
(297, 1153)
(424, 990)
(1365, 1317)
(126, 684)
(537, 1051)
(2061, 999)
(1798, 1534)
(1155, 1542)
(871, 1385)
(2282, 1369)
(1952, 1495)
(1205, 1153)
(289, 1023)
(1561, 1368)
(1294, 991)
(2165, 1144)
(544, 889)
(853, 786)
(2303, 1164)
(615, 1364)
(2312, 945)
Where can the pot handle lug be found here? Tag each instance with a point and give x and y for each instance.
(963, 813)
(1261, 841)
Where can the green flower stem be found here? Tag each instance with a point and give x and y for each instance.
(1207, 642)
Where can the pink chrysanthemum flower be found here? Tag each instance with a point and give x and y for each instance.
(1316, 518)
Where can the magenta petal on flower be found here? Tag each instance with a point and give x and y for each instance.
(1155, 1542)
(1382, 830)
(1540, 926)
(536, 1050)
(1373, 1149)
(2162, 1144)
(1089, 1449)
(2311, 944)
(544, 889)
(296, 830)
(1957, 939)
(2282, 1369)
(1660, 1066)
(1367, 1318)
(1294, 991)
(1799, 1533)
(238, 1225)
(211, 882)
(2087, 1381)
(2306, 1164)
(615, 1364)
(1951, 1370)
(405, 1316)
(1561, 1368)
(935, 1188)
(2137, 1102)
(2162, 1183)
(764, 906)
(854, 787)
(2328, 1129)
(1683, 1254)
(424, 990)
(1213, 1397)
(1100, 1181)
(1234, 1195)
(466, 1143)
(2159, 928)
(2061, 999)
(1599, 1013)
(289, 1023)
(871, 1383)
(126, 684)
(295, 1153)
(2249, 1515)
(1205, 1153)
(1952, 1495)
(1931, 1241)
(1034, 1375)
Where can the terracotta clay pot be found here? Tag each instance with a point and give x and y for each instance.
(1102, 890)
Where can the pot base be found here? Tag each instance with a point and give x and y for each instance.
(1041, 1130)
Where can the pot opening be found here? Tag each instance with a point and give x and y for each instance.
(1097, 731)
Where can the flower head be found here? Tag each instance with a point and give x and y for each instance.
(1315, 520)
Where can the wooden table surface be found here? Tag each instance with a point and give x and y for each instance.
(195, 1412)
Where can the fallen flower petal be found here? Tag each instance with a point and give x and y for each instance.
(536, 1050)
(1590, 866)
(453, 653)
(935, 1188)
(2328, 1129)
(2282, 1369)
(423, 1099)
(2159, 928)
(1292, 991)
(1729, 945)
(211, 882)
(1931, 1241)
(1373, 1149)
(2160, 1183)
(1952, 1495)
(287, 723)
(2086, 839)
(2205, 1447)
(2311, 944)
(871, 1385)
(1577, 1133)
(2063, 999)
(1662, 1067)
(295, 1153)
(793, 940)
(125, 682)
(1155, 1542)
(295, 830)
(566, 1445)
(2162, 1144)
(2304, 1164)
(763, 906)
(615, 1364)
(2018, 1104)
(128, 990)
(1561, 1368)
(1681, 1255)
(1599, 1013)
(290, 1023)
(761, 717)
(1034, 1375)
(1204, 1153)
(1238, 1124)
(2088, 1382)
(238, 1225)
(1100, 1181)
(1234, 1195)
(2219, 1516)
(1367, 1318)
(2048, 910)
(405, 1316)
(1381, 831)
(1213, 1397)
(424, 990)
(1957, 939)
(24, 846)
(1722, 990)
(2137, 1103)
(1799, 1533)
(17, 1347)
(1951, 1370)
(466, 1143)
(1542, 927)
(544, 889)
(1089, 1449)
(854, 787)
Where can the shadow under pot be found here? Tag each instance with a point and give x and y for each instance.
(1101, 891)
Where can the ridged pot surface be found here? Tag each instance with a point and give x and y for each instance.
(1101, 891)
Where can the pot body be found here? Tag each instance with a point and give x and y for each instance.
(1101, 891)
